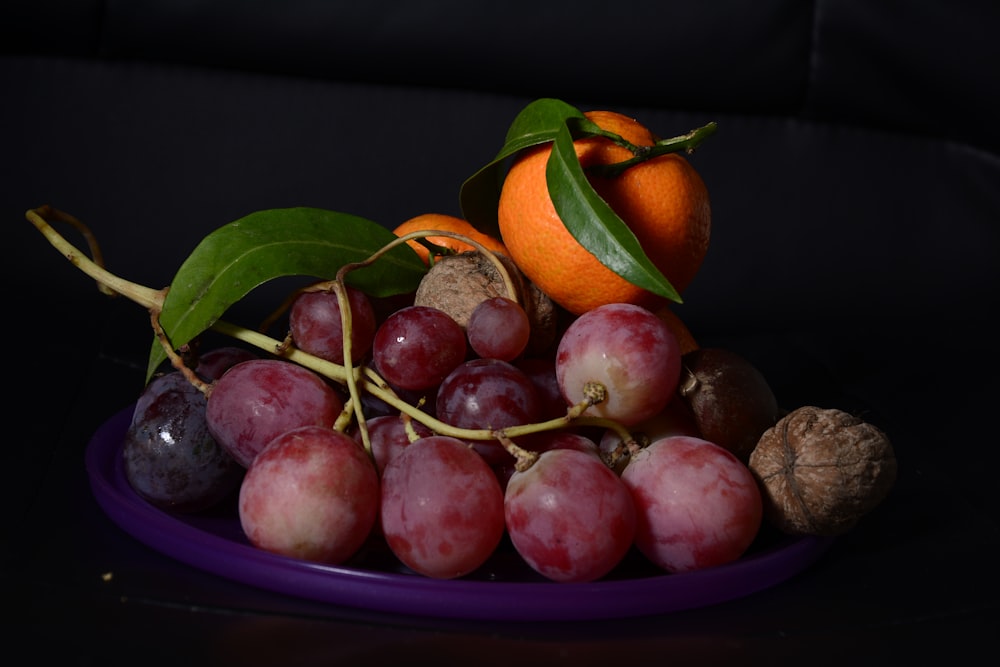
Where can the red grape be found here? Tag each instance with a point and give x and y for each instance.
(317, 328)
(442, 508)
(255, 401)
(498, 328)
(698, 505)
(487, 394)
(569, 516)
(213, 363)
(542, 372)
(311, 493)
(417, 346)
(630, 351)
(387, 435)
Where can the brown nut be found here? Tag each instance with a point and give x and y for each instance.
(821, 470)
(730, 399)
(458, 283)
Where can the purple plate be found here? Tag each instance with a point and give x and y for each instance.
(503, 589)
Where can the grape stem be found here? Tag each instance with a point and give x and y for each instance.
(176, 360)
(340, 287)
(523, 458)
(369, 381)
(357, 379)
(107, 282)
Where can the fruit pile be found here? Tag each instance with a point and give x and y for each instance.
(514, 373)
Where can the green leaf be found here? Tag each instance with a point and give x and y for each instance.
(311, 242)
(594, 224)
(537, 123)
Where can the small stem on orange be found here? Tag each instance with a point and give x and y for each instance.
(686, 143)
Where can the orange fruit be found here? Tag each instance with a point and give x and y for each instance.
(447, 223)
(684, 336)
(663, 200)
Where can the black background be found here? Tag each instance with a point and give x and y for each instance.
(856, 198)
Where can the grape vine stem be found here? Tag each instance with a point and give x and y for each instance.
(357, 378)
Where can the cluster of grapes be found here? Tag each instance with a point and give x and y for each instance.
(472, 440)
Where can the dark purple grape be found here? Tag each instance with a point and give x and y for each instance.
(416, 347)
(171, 459)
(487, 394)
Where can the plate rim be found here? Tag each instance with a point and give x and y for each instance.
(412, 594)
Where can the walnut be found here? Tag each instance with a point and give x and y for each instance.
(821, 470)
(456, 284)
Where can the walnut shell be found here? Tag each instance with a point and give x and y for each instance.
(821, 470)
(458, 283)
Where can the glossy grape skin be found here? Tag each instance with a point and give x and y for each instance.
(498, 328)
(317, 327)
(255, 401)
(630, 351)
(170, 458)
(698, 505)
(487, 394)
(312, 493)
(569, 516)
(442, 508)
(417, 346)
